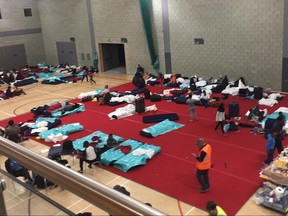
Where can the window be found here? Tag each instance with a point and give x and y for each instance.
(82, 56)
(27, 12)
(88, 56)
(0, 15)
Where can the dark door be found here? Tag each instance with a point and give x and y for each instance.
(285, 75)
(12, 57)
(67, 53)
(112, 56)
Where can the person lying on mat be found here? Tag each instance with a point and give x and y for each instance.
(69, 107)
(214, 210)
(89, 155)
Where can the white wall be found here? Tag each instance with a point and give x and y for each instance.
(61, 20)
(114, 20)
(242, 38)
(13, 21)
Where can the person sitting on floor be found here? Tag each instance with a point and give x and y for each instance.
(8, 93)
(204, 98)
(230, 125)
(105, 96)
(18, 91)
(14, 133)
(146, 76)
(17, 170)
(2, 132)
(111, 142)
(89, 155)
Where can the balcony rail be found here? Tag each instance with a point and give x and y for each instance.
(96, 193)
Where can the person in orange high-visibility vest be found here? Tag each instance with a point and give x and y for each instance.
(203, 164)
(214, 210)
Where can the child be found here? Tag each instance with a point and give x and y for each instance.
(91, 75)
(270, 145)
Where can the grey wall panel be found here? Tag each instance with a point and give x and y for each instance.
(285, 30)
(168, 63)
(2, 57)
(166, 36)
(285, 75)
(20, 32)
(285, 49)
(67, 53)
(15, 56)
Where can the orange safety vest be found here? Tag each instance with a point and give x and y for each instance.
(206, 163)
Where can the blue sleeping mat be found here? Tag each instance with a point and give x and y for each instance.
(26, 81)
(160, 128)
(54, 80)
(113, 154)
(78, 143)
(81, 108)
(138, 157)
(160, 117)
(64, 130)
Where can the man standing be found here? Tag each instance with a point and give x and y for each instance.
(280, 133)
(192, 108)
(203, 164)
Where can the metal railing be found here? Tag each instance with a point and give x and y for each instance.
(98, 194)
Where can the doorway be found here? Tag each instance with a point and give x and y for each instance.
(67, 53)
(12, 57)
(112, 58)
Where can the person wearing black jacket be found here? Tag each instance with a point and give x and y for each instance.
(18, 170)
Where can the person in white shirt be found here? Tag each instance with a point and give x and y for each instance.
(89, 155)
(204, 98)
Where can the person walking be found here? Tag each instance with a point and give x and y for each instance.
(85, 73)
(270, 145)
(192, 108)
(203, 164)
(91, 76)
(220, 117)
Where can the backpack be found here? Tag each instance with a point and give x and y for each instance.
(86, 99)
(41, 182)
(233, 126)
(155, 97)
(15, 166)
